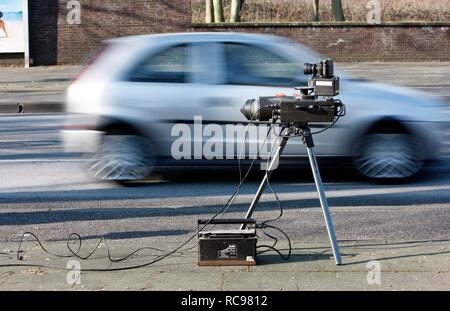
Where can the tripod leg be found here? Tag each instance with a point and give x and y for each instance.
(272, 166)
(322, 197)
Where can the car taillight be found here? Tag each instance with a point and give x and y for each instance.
(92, 59)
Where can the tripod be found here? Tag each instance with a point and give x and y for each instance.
(294, 130)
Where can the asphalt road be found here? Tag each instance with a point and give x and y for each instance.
(45, 191)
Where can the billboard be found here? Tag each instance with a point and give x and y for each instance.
(13, 26)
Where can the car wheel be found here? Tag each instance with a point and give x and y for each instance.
(388, 156)
(122, 158)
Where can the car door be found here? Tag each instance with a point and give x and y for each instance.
(162, 90)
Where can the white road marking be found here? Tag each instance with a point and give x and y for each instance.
(45, 161)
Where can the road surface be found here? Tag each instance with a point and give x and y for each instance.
(44, 191)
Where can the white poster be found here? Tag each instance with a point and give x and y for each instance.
(12, 26)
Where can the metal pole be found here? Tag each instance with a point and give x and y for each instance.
(26, 36)
(323, 202)
(308, 141)
(272, 166)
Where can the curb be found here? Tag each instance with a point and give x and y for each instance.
(39, 107)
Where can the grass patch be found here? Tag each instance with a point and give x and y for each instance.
(278, 11)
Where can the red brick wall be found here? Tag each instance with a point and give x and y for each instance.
(54, 41)
(357, 42)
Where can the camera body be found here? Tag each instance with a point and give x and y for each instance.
(305, 108)
(323, 80)
(291, 109)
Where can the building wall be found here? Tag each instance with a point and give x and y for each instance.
(361, 42)
(54, 41)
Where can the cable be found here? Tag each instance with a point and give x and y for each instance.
(270, 248)
(19, 250)
(242, 181)
(276, 240)
(270, 186)
(264, 225)
(340, 115)
(252, 120)
(75, 254)
(249, 170)
(271, 237)
(232, 199)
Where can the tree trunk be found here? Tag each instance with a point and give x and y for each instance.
(316, 10)
(218, 11)
(209, 11)
(235, 15)
(242, 4)
(337, 11)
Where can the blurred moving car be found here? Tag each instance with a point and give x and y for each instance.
(125, 104)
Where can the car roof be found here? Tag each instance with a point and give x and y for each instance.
(308, 55)
(201, 36)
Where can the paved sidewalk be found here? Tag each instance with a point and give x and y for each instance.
(41, 89)
(403, 266)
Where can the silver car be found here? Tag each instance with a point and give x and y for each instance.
(175, 100)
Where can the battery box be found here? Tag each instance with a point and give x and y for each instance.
(227, 247)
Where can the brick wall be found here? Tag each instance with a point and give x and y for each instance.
(360, 42)
(54, 41)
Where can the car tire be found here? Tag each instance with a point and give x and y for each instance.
(388, 155)
(122, 158)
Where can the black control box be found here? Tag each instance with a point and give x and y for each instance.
(227, 247)
(326, 86)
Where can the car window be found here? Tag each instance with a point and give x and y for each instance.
(252, 65)
(168, 66)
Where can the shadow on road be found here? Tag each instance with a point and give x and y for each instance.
(137, 234)
(275, 259)
(350, 252)
(96, 214)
